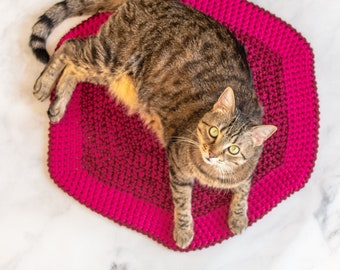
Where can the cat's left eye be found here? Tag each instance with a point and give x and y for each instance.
(234, 149)
(213, 132)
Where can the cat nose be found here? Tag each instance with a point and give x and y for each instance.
(212, 154)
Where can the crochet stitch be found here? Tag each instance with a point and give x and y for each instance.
(111, 163)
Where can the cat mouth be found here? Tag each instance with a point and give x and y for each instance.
(211, 161)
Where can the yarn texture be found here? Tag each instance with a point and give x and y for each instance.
(111, 163)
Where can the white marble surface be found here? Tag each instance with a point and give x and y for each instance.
(43, 228)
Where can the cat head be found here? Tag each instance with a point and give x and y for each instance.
(227, 138)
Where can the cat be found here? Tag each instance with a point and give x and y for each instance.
(185, 75)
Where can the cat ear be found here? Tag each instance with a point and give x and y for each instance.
(261, 133)
(226, 101)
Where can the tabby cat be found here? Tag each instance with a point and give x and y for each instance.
(184, 74)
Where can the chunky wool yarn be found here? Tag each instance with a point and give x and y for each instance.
(109, 162)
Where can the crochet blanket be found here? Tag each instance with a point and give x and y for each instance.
(112, 164)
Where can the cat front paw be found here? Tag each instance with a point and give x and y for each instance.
(237, 224)
(183, 237)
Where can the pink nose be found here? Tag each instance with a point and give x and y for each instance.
(212, 154)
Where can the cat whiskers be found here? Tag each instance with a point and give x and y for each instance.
(221, 172)
(185, 140)
(193, 133)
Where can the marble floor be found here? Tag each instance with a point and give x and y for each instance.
(43, 228)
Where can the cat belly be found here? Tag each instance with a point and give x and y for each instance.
(124, 90)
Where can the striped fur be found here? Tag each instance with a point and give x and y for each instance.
(188, 79)
(57, 14)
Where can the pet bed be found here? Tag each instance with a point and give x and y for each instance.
(112, 164)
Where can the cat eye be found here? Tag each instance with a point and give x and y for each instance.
(213, 132)
(234, 149)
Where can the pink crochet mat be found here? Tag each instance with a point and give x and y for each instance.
(112, 164)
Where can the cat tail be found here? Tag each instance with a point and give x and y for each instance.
(60, 12)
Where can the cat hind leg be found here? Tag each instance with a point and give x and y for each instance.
(64, 90)
(47, 80)
(62, 73)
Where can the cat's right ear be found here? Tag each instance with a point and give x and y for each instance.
(226, 101)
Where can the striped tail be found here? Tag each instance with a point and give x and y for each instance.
(58, 13)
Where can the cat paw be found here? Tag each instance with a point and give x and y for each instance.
(48, 78)
(54, 115)
(57, 110)
(183, 237)
(237, 224)
(42, 88)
